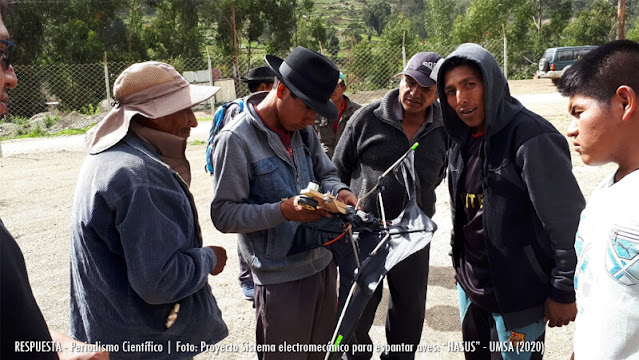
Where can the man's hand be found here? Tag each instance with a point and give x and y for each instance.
(347, 197)
(220, 254)
(293, 211)
(558, 314)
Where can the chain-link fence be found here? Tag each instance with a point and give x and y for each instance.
(369, 70)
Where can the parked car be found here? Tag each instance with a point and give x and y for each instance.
(556, 60)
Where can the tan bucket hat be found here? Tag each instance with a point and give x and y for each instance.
(152, 89)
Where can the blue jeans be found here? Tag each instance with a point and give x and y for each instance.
(486, 337)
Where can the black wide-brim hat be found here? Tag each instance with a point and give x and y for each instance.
(310, 76)
(259, 75)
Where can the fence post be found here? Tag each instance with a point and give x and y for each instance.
(503, 29)
(106, 81)
(404, 50)
(208, 56)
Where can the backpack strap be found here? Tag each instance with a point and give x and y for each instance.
(216, 126)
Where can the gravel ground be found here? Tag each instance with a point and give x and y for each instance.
(39, 176)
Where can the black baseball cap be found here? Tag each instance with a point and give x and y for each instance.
(420, 66)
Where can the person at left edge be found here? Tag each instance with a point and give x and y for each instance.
(24, 332)
(137, 258)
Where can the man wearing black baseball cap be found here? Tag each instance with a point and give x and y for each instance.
(374, 138)
(262, 161)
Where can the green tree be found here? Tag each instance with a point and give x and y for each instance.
(318, 31)
(82, 31)
(230, 17)
(253, 30)
(376, 16)
(333, 43)
(592, 27)
(414, 10)
(439, 20)
(528, 39)
(136, 49)
(633, 34)
(483, 20)
(174, 31)
(26, 23)
(280, 15)
(550, 35)
(353, 33)
(373, 66)
(305, 30)
(359, 68)
(522, 52)
(388, 54)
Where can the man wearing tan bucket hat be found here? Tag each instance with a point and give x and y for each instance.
(139, 273)
(262, 161)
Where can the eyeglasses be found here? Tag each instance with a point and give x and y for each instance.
(6, 55)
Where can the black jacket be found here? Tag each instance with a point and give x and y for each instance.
(532, 201)
(374, 139)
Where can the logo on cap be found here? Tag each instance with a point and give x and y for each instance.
(429, 64)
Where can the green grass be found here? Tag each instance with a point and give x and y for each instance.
(34, 132)
(198, 142)
(66, 132)
(38, 132)
(49, 120)
(90, 110)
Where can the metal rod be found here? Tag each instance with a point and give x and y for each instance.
(383, 211)
(350, 233)
(341, 317)
(106, 81)
(379, 245)
(412, 148)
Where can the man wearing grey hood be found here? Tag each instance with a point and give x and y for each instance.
(515, 206)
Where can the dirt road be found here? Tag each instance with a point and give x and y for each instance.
(38, 180)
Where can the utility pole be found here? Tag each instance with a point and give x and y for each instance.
(621, 19)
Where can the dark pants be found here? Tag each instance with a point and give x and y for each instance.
(246, 277)
(407, 282)
(297, 312)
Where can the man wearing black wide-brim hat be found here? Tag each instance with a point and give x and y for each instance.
(262, 161)
(257, 79)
